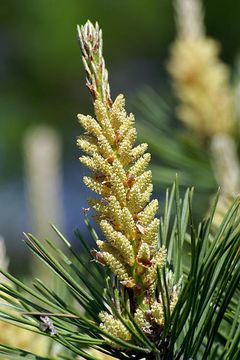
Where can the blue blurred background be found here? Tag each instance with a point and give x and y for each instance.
(43, 82)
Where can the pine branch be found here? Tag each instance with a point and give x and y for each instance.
(140, 298)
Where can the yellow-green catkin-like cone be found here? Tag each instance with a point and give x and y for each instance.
(201, 81)
(114, 326)
(206, 100)
(119, 174)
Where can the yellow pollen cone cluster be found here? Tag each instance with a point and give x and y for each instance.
(119, 174)
(114, 327)
(206, 100)
(201, 83)
(125, 214)
(200, 79)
